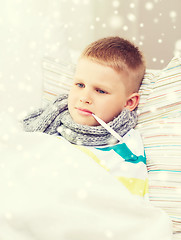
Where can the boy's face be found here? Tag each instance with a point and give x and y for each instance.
(96, 89)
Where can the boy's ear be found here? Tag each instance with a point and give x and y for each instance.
(132, 101)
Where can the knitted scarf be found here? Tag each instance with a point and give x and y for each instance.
(55, 118)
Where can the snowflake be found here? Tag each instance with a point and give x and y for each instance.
(82, 194)
(141, 25)
(155, 20)
(97, 19)
(178, 190)
(104, 25)
(17, 59)
(162, 61)
(37, 156)
(92, 27)
(160, 40)
(163, 176)
(109, 234)
(173, 14)
(116, 22)
(116, 3)
(10, 109)
(32, 45)
(132, 5)
(88, 184)
(40, 14)
(125, 28)
(56, 14)
(142, 37)
(65, 25)
(69, 39)
(76, 2)
(12, 77)
(22, 115)
(178, 45)
(131, 17)
(8, 216)
(149, 6)
(172, 97)
(153, 109)
(5, 137)
(86, 2)
(19, 147)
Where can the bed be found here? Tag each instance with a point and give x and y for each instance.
(45, 198)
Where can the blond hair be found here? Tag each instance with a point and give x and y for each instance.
(119, 54)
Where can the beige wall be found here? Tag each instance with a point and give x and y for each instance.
(161, 31)
(154, 25)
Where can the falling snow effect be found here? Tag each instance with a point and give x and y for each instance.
(59, 29)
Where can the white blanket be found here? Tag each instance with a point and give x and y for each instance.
(50, 190)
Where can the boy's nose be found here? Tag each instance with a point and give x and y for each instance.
(85, 99)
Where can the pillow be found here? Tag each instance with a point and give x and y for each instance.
(163, 93)
(159, 122)
(57, 78)
(147, 86)
(162, 141)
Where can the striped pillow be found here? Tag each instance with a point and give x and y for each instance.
(160, 125)
(147, 86)
(57, 78)
(164, 93)
(162, 140)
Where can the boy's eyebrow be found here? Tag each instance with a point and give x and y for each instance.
(77, 79)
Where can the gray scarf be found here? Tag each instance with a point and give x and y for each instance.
(55, 118)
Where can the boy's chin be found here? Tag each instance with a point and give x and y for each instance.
(86, 122)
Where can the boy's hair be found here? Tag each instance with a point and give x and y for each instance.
(119, 54)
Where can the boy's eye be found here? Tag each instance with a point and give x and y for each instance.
(101, 91)
(80, 85)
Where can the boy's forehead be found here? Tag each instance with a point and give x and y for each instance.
(86, 67)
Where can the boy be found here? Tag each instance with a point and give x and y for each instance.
(106, 83)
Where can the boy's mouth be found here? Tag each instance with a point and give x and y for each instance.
(84, 111)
